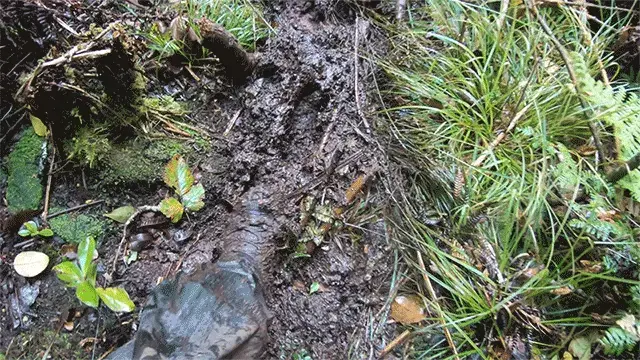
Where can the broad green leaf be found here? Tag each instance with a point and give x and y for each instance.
(86, 293)
(178, 175)
(46, 232)
(172, 208)
(32, 227)
(121, 214)
(580, 347)
(315, 286)
(85, 254)
(38, 126)
(92, 274)
(69, 273)
(116, 299)
(193, 199)
(24, 233)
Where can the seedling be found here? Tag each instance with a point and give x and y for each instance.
(179, 177)
(30, 229)
(81, 275)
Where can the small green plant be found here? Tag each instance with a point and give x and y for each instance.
(30, 229)
(179, 177)
(301, 355)
(81, 275)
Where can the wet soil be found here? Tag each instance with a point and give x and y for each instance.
(297, 130)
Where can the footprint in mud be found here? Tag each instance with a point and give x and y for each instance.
(218, 311)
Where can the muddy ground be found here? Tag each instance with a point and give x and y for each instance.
(299, 130)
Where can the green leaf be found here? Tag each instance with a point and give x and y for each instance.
(92, 274)
(86, 293)
(172, 208)
(38, 126)
(133, 256)
(193, 199)
(178, 175)
(116, 299)
(580, 347)
(32, 227)
(24, 233)
(121, 214)
(85, 255)
(46, 233)
(69, 273)
(315, 286)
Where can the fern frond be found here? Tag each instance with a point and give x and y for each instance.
(618, 108)
(616, 341)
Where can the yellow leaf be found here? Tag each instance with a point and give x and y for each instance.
(30, 263)
(407, 309)
(565, 290)
(38, 126)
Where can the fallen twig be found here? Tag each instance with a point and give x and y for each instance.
(47, 196)
(79, 207)
(232, 123)
(356, 65)
(622, 171)
(401, 6)
(436, 305)
(397, 341)
(139, 210)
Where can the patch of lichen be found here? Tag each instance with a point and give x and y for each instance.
(73, 228)
(24, 186)
(35, 344)
(139, 161)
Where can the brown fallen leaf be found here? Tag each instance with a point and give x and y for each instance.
(565, 290)
(68, 325)
(407, 309)
(592, 267)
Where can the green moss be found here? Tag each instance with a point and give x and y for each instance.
(75, 228)
(88, 146)
(24, 188)
(139, 161)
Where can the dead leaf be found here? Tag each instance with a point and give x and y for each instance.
(68, 325)
(565, 290)
(407, 309)
(609, 215)
(592, 267)
(30, 263)
(629, 324)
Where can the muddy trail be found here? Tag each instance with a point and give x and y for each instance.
(298, 130)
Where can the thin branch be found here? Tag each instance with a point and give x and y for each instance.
(565, 57)
(47, 196)
(139, 210)
(79, 207)
(436, 305)
(397, 341)
(631, 164)
(355, 78)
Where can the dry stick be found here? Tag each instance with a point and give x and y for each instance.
(432, 293)
(355, 77)
(500, 137)
(401, 5)
(79, 207)
(617, 174)
(139, 211)
(565, 57)
(47, 196)
(504, 8)
(397, 341)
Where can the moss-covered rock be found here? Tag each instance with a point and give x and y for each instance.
(139, 161)
(75, 228)
(24, 164)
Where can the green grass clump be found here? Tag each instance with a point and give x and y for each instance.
(24, 164)
(242, 19)
(495, 134)
(75, 228)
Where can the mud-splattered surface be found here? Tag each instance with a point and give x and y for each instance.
(294, 129)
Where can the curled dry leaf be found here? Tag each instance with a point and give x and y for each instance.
(565, 290)
(30, 263)
(407, 309)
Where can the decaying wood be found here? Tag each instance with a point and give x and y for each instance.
(238, 63)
